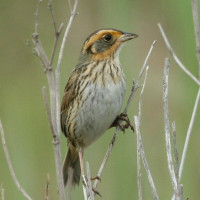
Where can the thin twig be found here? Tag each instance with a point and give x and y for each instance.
(57, 105)
(36, 16)
(87, 186)
(196, 29)
(2, 192)
(49, 74)
(73, 14)
(46, 102)
(57, 150)
(198, 95)
(145, 163)
(141, 95)
(189, 131)
(180, 64)
(55, 125)
(57, 71)
(58, 163)
(70, 6)
(47, 188)
(47, 68)
(106, 158)
(167, 126)
(52, 16)
(5, 148)
(89, 189)
(84, 193)
(56, 32)
(139, 140)
(179, 195)
(176, 157)
(40, 52)
(139, 183)
(133, 90)
(136, 84)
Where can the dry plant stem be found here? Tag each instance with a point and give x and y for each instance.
(139, 142)
(52, 90)
(89, 189)
(50, 77)
(176, 58)
(57, 104)
(196, 30)
(47, 188)
(52, 15)
(106, 158)
(70, 6)
(140, 145)
(46, 102)
(2, 192)
(133, 90)
(36, 16)
(197, 37)
(5, 148)
(193, 78)
(179, 194)
(176, 157)
(58, 163)
(141, 95)
(167, 127)
(136, 84)
(84, 193)
(139, 184)
(56, 32)
(73, 14)
(189, 131)
(57, 71)
(145, 163)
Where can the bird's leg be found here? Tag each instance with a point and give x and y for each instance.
(80, 153)
(82, 167)
(122, 118)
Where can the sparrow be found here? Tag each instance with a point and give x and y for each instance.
(93, 96)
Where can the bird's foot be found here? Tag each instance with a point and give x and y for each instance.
(122, 118)
(96, 178)
(96, 192)
(85, 182)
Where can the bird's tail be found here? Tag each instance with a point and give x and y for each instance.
(71, 167)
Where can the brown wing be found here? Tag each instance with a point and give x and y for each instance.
(68, 99)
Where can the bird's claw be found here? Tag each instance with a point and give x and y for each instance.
(85, 183)
(123, 118)
(96, 178)
(96, 192)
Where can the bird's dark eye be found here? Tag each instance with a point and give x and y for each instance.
(107, 37)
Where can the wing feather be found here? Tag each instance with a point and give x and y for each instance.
(68, 98)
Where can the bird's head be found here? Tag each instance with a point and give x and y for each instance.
(104, 43)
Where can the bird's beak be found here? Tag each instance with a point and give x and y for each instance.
(127, 36)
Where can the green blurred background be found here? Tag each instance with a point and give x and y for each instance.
(22, 108)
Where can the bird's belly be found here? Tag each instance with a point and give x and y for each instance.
(99, 110)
